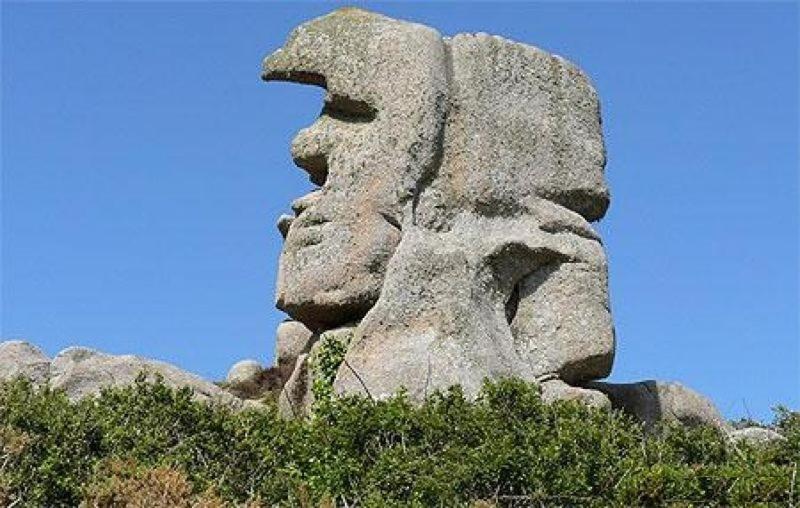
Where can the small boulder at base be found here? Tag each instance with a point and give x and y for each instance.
(246, 379)
(653, 402)
(245, 372)
(555, 389)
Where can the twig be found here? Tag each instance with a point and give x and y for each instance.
(730, 489)
(747, 409)
(616, 485)
(359, 379)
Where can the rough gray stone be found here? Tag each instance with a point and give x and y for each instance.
(524, 123)
(457, 178)
(654, 402)
(443, 317)
(83, 372)
(755, 436)
(245, 374)
(365, 188)
(292, 338)
(296, 396)
(21, 359)
(556, 389)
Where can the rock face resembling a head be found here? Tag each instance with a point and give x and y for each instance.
(377, 136)
(451, 228)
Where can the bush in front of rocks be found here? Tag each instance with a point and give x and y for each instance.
(148, 444)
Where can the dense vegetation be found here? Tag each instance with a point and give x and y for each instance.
(148, 445)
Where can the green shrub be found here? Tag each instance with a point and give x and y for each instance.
(325, 362)
(507, 448)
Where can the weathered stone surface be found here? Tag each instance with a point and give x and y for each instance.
(654, 402)
(21, 359)
(563, 323)
(756, 436)
(83, 372)
(446, 313)
(556, 389)
(522, 123)
(457, 178)
(292, 339)
(296, 397)
(336, 249)
(245, 374)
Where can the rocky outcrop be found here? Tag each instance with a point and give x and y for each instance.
(457, 178)
(658, 402)
(81, 372)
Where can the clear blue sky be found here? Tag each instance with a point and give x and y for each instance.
(144, 166)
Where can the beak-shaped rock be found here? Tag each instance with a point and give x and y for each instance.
(342, 53)
(275, 66)
(321, 46)
(284, 65)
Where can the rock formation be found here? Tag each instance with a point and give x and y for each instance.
(81, 372)
(457, 181)
(450, 237)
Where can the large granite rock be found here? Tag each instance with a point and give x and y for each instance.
(457, 178)
(378, 133)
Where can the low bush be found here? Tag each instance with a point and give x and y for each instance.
(148, 445)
